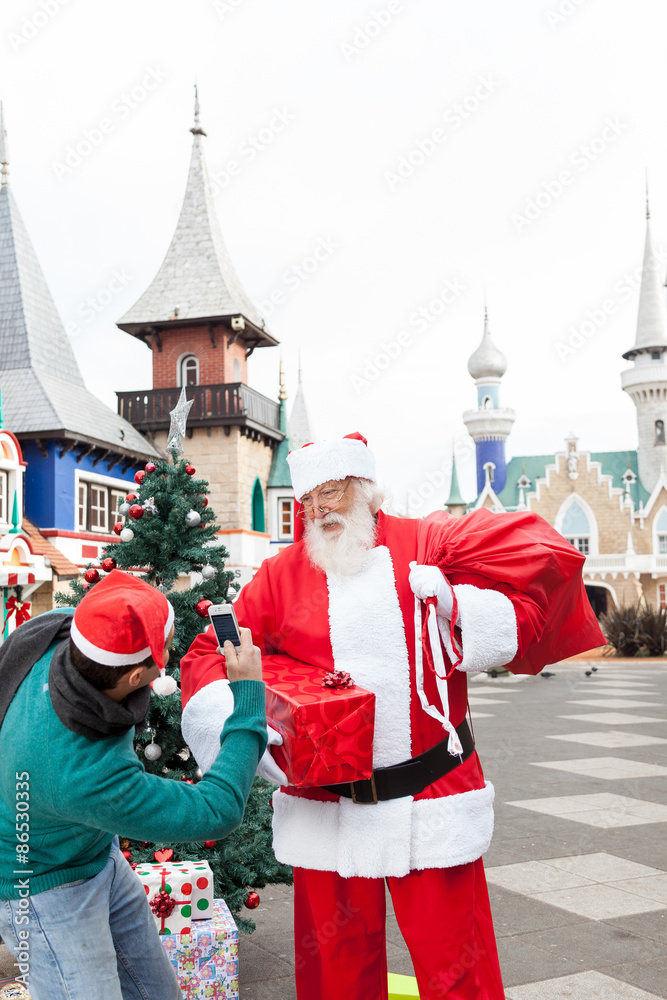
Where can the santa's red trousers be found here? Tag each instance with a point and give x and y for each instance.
(443, 914)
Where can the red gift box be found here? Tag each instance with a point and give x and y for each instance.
(327, 732)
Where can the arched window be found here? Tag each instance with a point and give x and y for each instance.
(188, 370)
(660, 432)
(576, 527)
(660, 529)
(487, 403)
(258, 521)
(237, 370)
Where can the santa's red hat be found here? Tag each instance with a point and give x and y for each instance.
(342, 458)
(123, 621)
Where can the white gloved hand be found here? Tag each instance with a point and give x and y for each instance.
(267, 767)
(428, 581)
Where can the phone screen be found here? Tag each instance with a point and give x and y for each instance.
(225, 628)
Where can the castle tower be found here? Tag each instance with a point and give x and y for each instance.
(201, 327)
(490, 424)
(300, 432)
(646, 381)
(455, 503)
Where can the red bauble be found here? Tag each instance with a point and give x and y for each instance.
(91, 575)
(108, 564)
(204, 500)
(188, 781)
(130, 497)
(166, 854)
(253, 900)
(201, 607)
(86, 586)
(190, 469)
(136, 511)
(126, 854)
(118, 527)
(139, 477)
(209, 844)
(150, 466)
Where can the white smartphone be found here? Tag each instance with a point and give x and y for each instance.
(223, 620)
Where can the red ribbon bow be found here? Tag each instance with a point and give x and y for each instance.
(337, 679)
(19, 608)
(163, 904)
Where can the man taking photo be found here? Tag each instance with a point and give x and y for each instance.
(73, 686)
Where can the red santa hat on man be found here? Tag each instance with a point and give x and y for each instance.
(123, 621)
(318, 463)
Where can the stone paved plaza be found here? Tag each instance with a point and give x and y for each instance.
(577, 869)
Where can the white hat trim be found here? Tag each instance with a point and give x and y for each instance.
(105, 656)
(336, 460)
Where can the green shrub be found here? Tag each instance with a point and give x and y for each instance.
(636, 630)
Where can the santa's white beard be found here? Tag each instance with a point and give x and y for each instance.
(344, 551)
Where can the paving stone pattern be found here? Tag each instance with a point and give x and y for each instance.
(577, 868)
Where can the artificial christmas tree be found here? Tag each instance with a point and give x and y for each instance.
(167, 543)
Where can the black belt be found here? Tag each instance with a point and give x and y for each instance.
(410, 777)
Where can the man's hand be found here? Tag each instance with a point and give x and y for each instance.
(246, 665)
(428, 581)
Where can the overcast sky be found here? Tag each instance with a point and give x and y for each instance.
(433, 151)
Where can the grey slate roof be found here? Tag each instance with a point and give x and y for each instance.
(42, 387)
(197, 276)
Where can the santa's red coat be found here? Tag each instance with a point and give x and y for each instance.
(520, 602)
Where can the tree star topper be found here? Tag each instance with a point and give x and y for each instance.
(179, 416)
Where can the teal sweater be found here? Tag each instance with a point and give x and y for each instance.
(82, 792)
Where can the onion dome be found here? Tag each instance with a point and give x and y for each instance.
(487, 361)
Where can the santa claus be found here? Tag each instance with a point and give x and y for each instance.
(408, 607)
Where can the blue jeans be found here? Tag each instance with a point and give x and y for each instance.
(92, 938)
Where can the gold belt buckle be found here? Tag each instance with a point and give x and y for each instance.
(373, 789)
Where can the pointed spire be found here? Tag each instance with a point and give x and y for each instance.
(196, 128)
(652, 313)
(197, 271)
(299, 421)
(487, 361)
(648, 210)
(454, 499)
(4, 151)
(282, 395)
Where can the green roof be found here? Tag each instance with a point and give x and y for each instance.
(614, 464)
(280, 474)
(455, 497)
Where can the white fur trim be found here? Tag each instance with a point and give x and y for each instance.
(489, 633)
(368, 640)
(105, 656)
(389, 838)
(203, 718)
(318, 463)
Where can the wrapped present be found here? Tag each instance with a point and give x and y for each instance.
(202, 890)
(207, 959)
(169, 891)
(402, 987)
(325, 720)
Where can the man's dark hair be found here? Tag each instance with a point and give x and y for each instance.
(99, 675)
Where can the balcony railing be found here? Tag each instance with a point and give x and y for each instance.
(231, 404)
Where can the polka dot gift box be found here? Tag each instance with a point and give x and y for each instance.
(202, 890)
(169, 890)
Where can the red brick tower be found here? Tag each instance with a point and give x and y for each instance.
(201, 328)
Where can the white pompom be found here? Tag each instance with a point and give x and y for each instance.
(164, 685)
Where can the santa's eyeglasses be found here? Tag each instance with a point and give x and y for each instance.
(329, 499)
